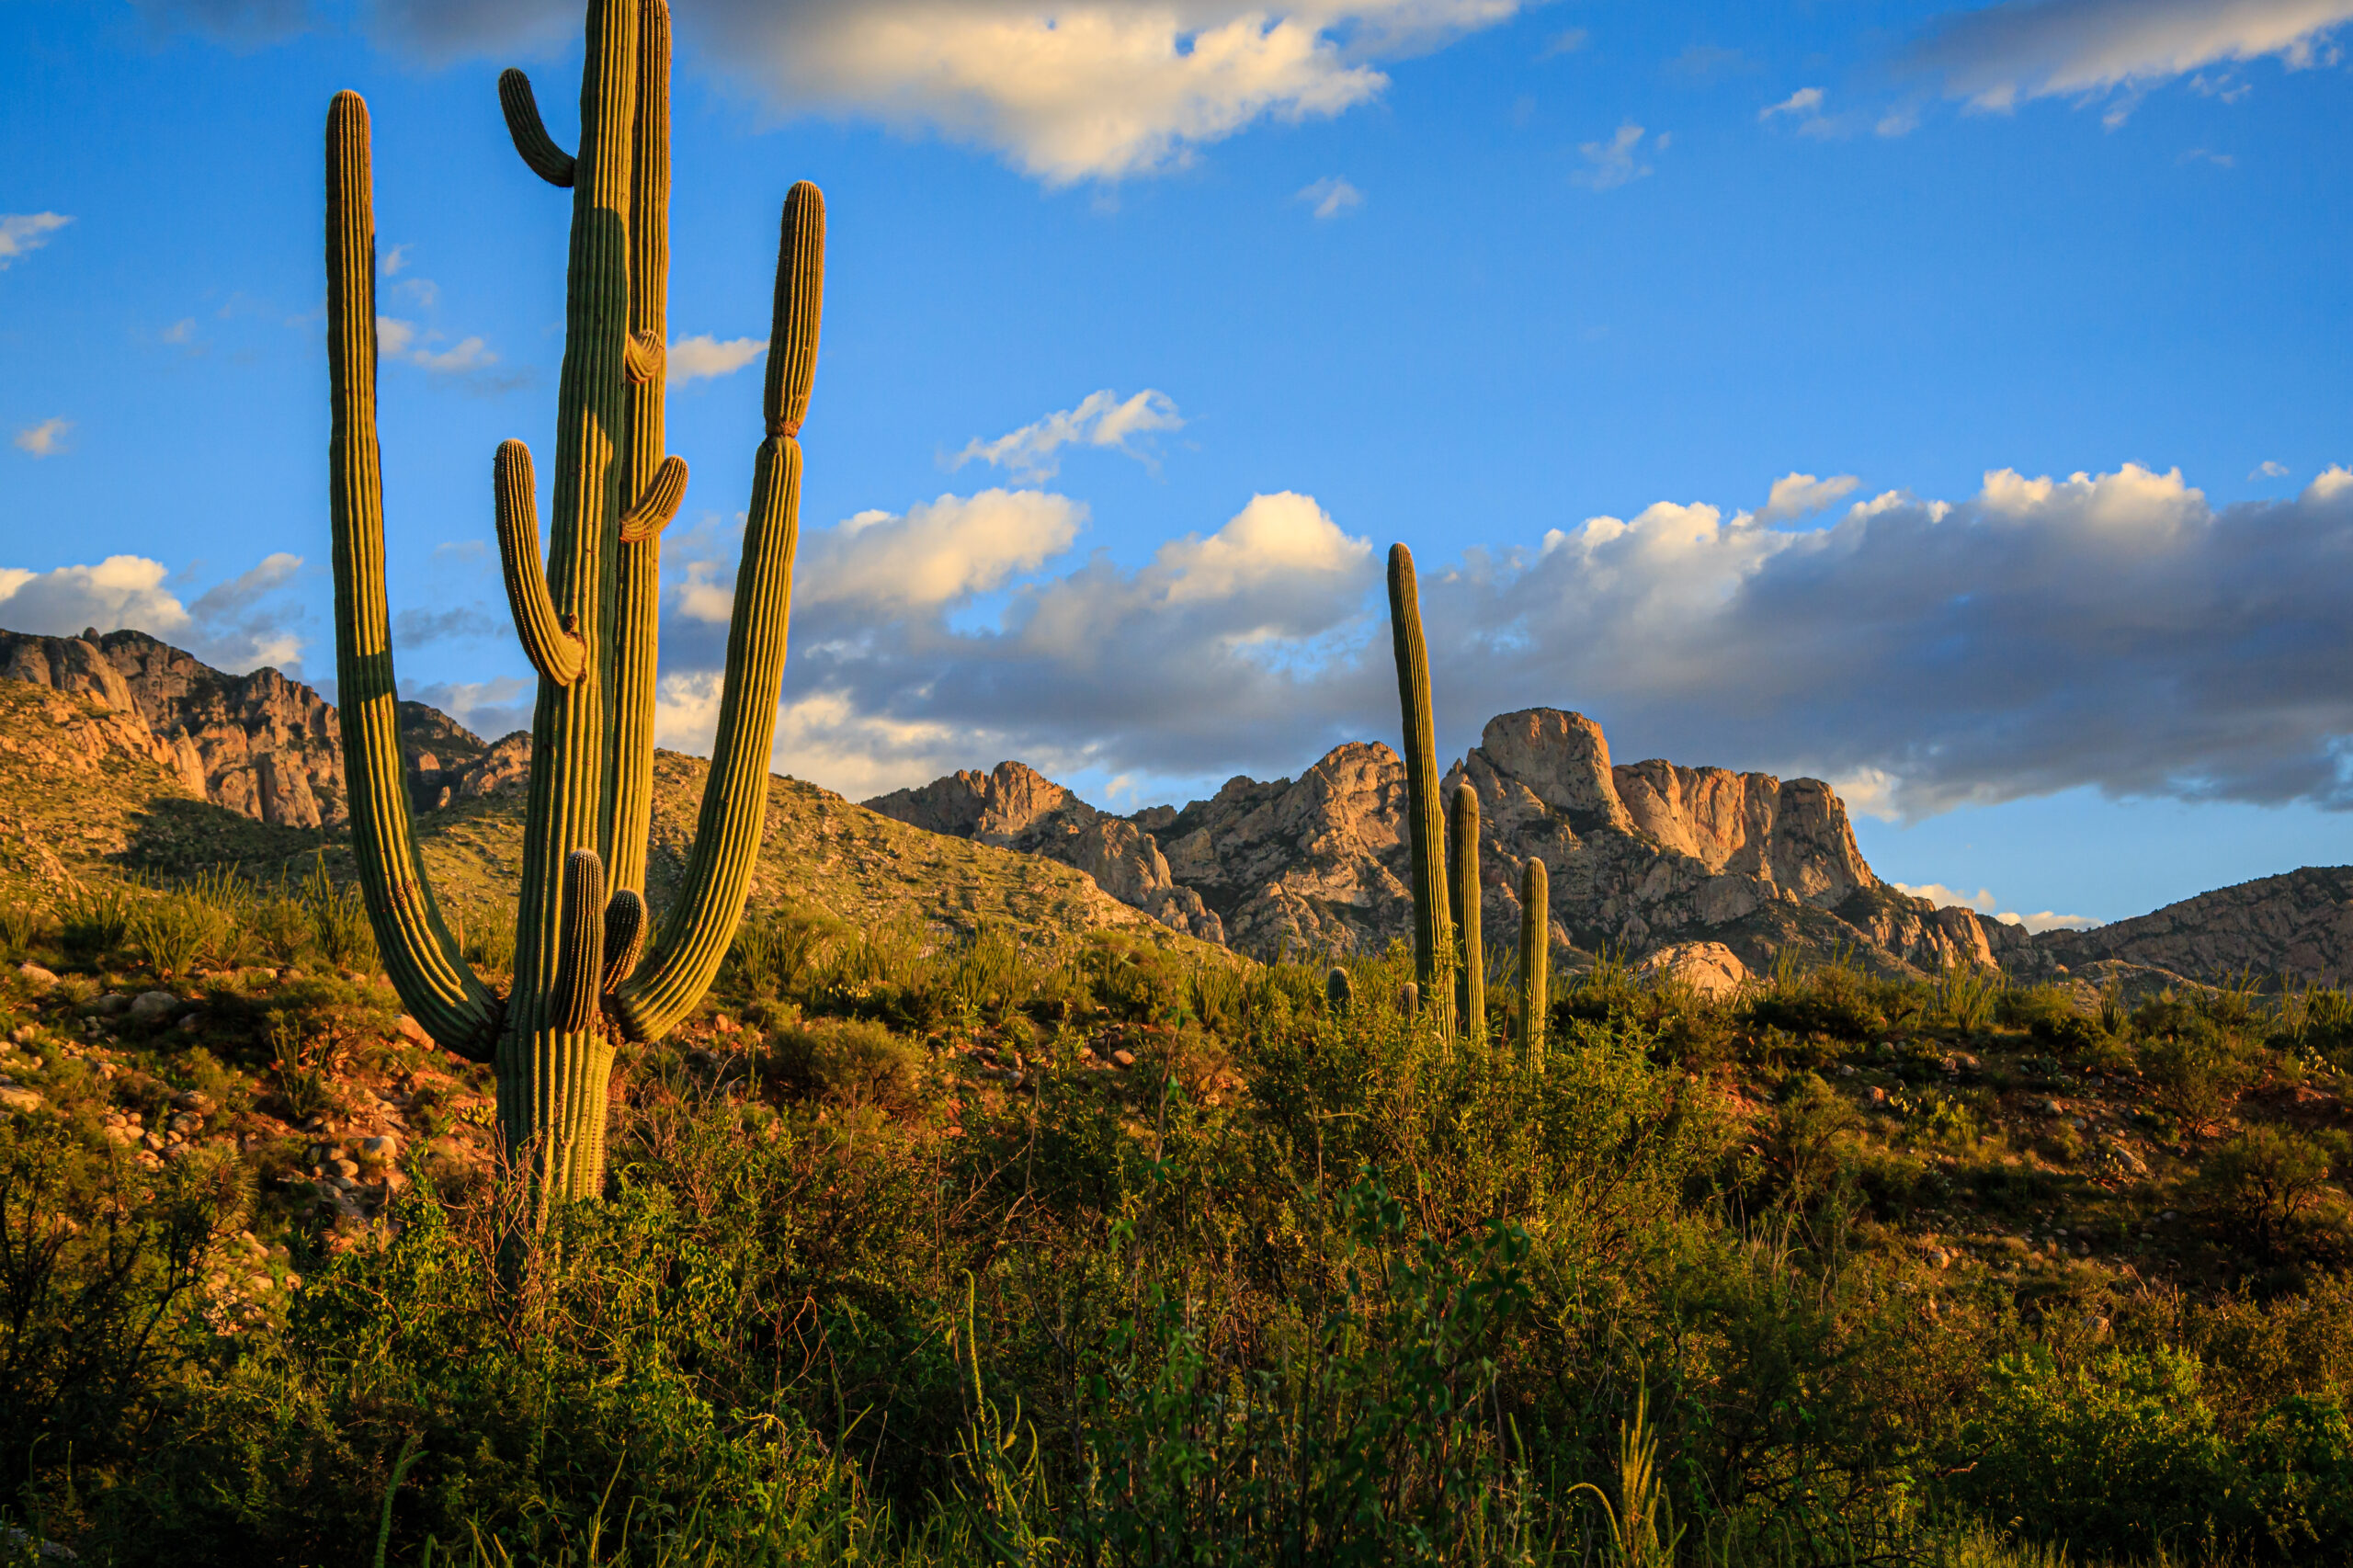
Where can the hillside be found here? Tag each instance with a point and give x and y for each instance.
(2299, 924)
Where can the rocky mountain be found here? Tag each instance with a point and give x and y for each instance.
(1641, 857)
(259, 745)
(2299, 924)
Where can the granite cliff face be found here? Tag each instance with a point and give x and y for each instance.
(2299, 924)
(1015, 807)
(259, 745)
(1639, 857)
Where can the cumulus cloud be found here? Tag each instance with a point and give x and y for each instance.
(1999, 55)
(1984, 903)
(46, 439)
(704, 356)
(1101, 419)
(238, 625)
(1802, 495)
(491, 709)
(1616, 162)
(1330, 197)
(21, 233)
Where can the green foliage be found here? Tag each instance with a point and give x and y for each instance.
(2267, 1178)
(850, 1062)
(93, 920)
(21, 925)
(2194, 1069)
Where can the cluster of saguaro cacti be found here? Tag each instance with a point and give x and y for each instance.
(1426, 823)
(585, 974)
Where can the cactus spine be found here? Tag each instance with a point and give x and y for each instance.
(1433, 928)
(1471, 988)
(1535, 958)
(586, 618)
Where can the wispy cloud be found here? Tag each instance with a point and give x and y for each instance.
(21, 233)
(1102, 419)
(1805, 104)
(1616, 162)
(1567, 41)
(2269, 470)
(46, 439)
(704, 356)
(2000, 55)
(1331, 197)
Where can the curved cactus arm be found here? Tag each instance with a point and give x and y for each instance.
(652, 511)
(1535, 958)
(735, 798)
(419, 955)
(547, 159)
(624, 937)
(1425, 817)
(552, 649)
(631, 645)
(580, 965)
(1471, 991)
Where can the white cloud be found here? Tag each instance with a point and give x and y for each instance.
(1984, 903)
(704, 356)
(1331, 197)
(1999, 55)
(232, 626)
(21, 233)
(491, 709)
(2269, 470)
(1803, 104)
(1801, 494)
(938, 552)
(468, 354)
(1616, 162)
(1100, 89)
(1101, 419)
(393, 260)
(46, 439)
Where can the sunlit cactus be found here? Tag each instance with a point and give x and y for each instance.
(1424, 820)
(1535, 958)
(1462, 861)
(584, 975)
(1339, 991)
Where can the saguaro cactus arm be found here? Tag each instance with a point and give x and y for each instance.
(624, 937)
(652, 511)
(1535, 956)
(547, 159)
(1471, 992)
(554, 650)
(580, 969)
(1425, 819)
(419, 955)
(734, 798)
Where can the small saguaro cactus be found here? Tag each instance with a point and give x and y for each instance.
(1339, 991)
(586, 618)
(1409, 1001)
(1535, 958)
(1463, 860)
(1425, 821)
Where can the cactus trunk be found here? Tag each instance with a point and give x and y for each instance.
(1424, 820)
(586, 620)
(1535, 959)
(1471, 988)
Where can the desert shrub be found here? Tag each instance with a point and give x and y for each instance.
(2119, 1454)
(2029, 1006)
(1967, 997)
(2266, 1178)
(174, 930)
(485, 935)
(2193, 1071)
(21, 925)
(1809, 1128)
(340, 933)
(1835, 1002)
(850, 1063)
(1132, 979)
(985, 976)
(773, 947)
(93, 920)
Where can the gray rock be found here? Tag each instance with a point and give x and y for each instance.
(150, 1006)
(35, 974)
(16, 1099)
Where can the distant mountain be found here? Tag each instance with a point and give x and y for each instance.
(2299, 924)
(258, 745)
(1641, 858)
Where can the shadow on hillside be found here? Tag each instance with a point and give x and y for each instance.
(176, 837)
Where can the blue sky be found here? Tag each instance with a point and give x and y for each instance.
(1728, 370)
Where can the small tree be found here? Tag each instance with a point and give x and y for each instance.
(2266, 1178)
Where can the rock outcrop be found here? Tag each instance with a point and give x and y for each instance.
(259, 745)
(1015, 807)
(2299, 924)
(1642, 857)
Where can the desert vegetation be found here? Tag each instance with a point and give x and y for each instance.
(915, 1247)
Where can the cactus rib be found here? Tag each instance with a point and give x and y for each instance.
(547, 159)
(1471, 988)
(1424, 818)
(434, 984)
(552, 649)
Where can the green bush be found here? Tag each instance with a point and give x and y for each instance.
(2194, 1070)
(2266, 1179)
(850, 1062)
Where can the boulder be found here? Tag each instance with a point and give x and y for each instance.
(1708, 968)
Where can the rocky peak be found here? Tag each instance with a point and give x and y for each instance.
(2299, 924)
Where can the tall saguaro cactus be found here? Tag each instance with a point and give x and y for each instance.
(1470, 989)
(1535, 958)
(586, 618)
(1424, 820)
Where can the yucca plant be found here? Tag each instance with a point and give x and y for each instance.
(586, 618)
